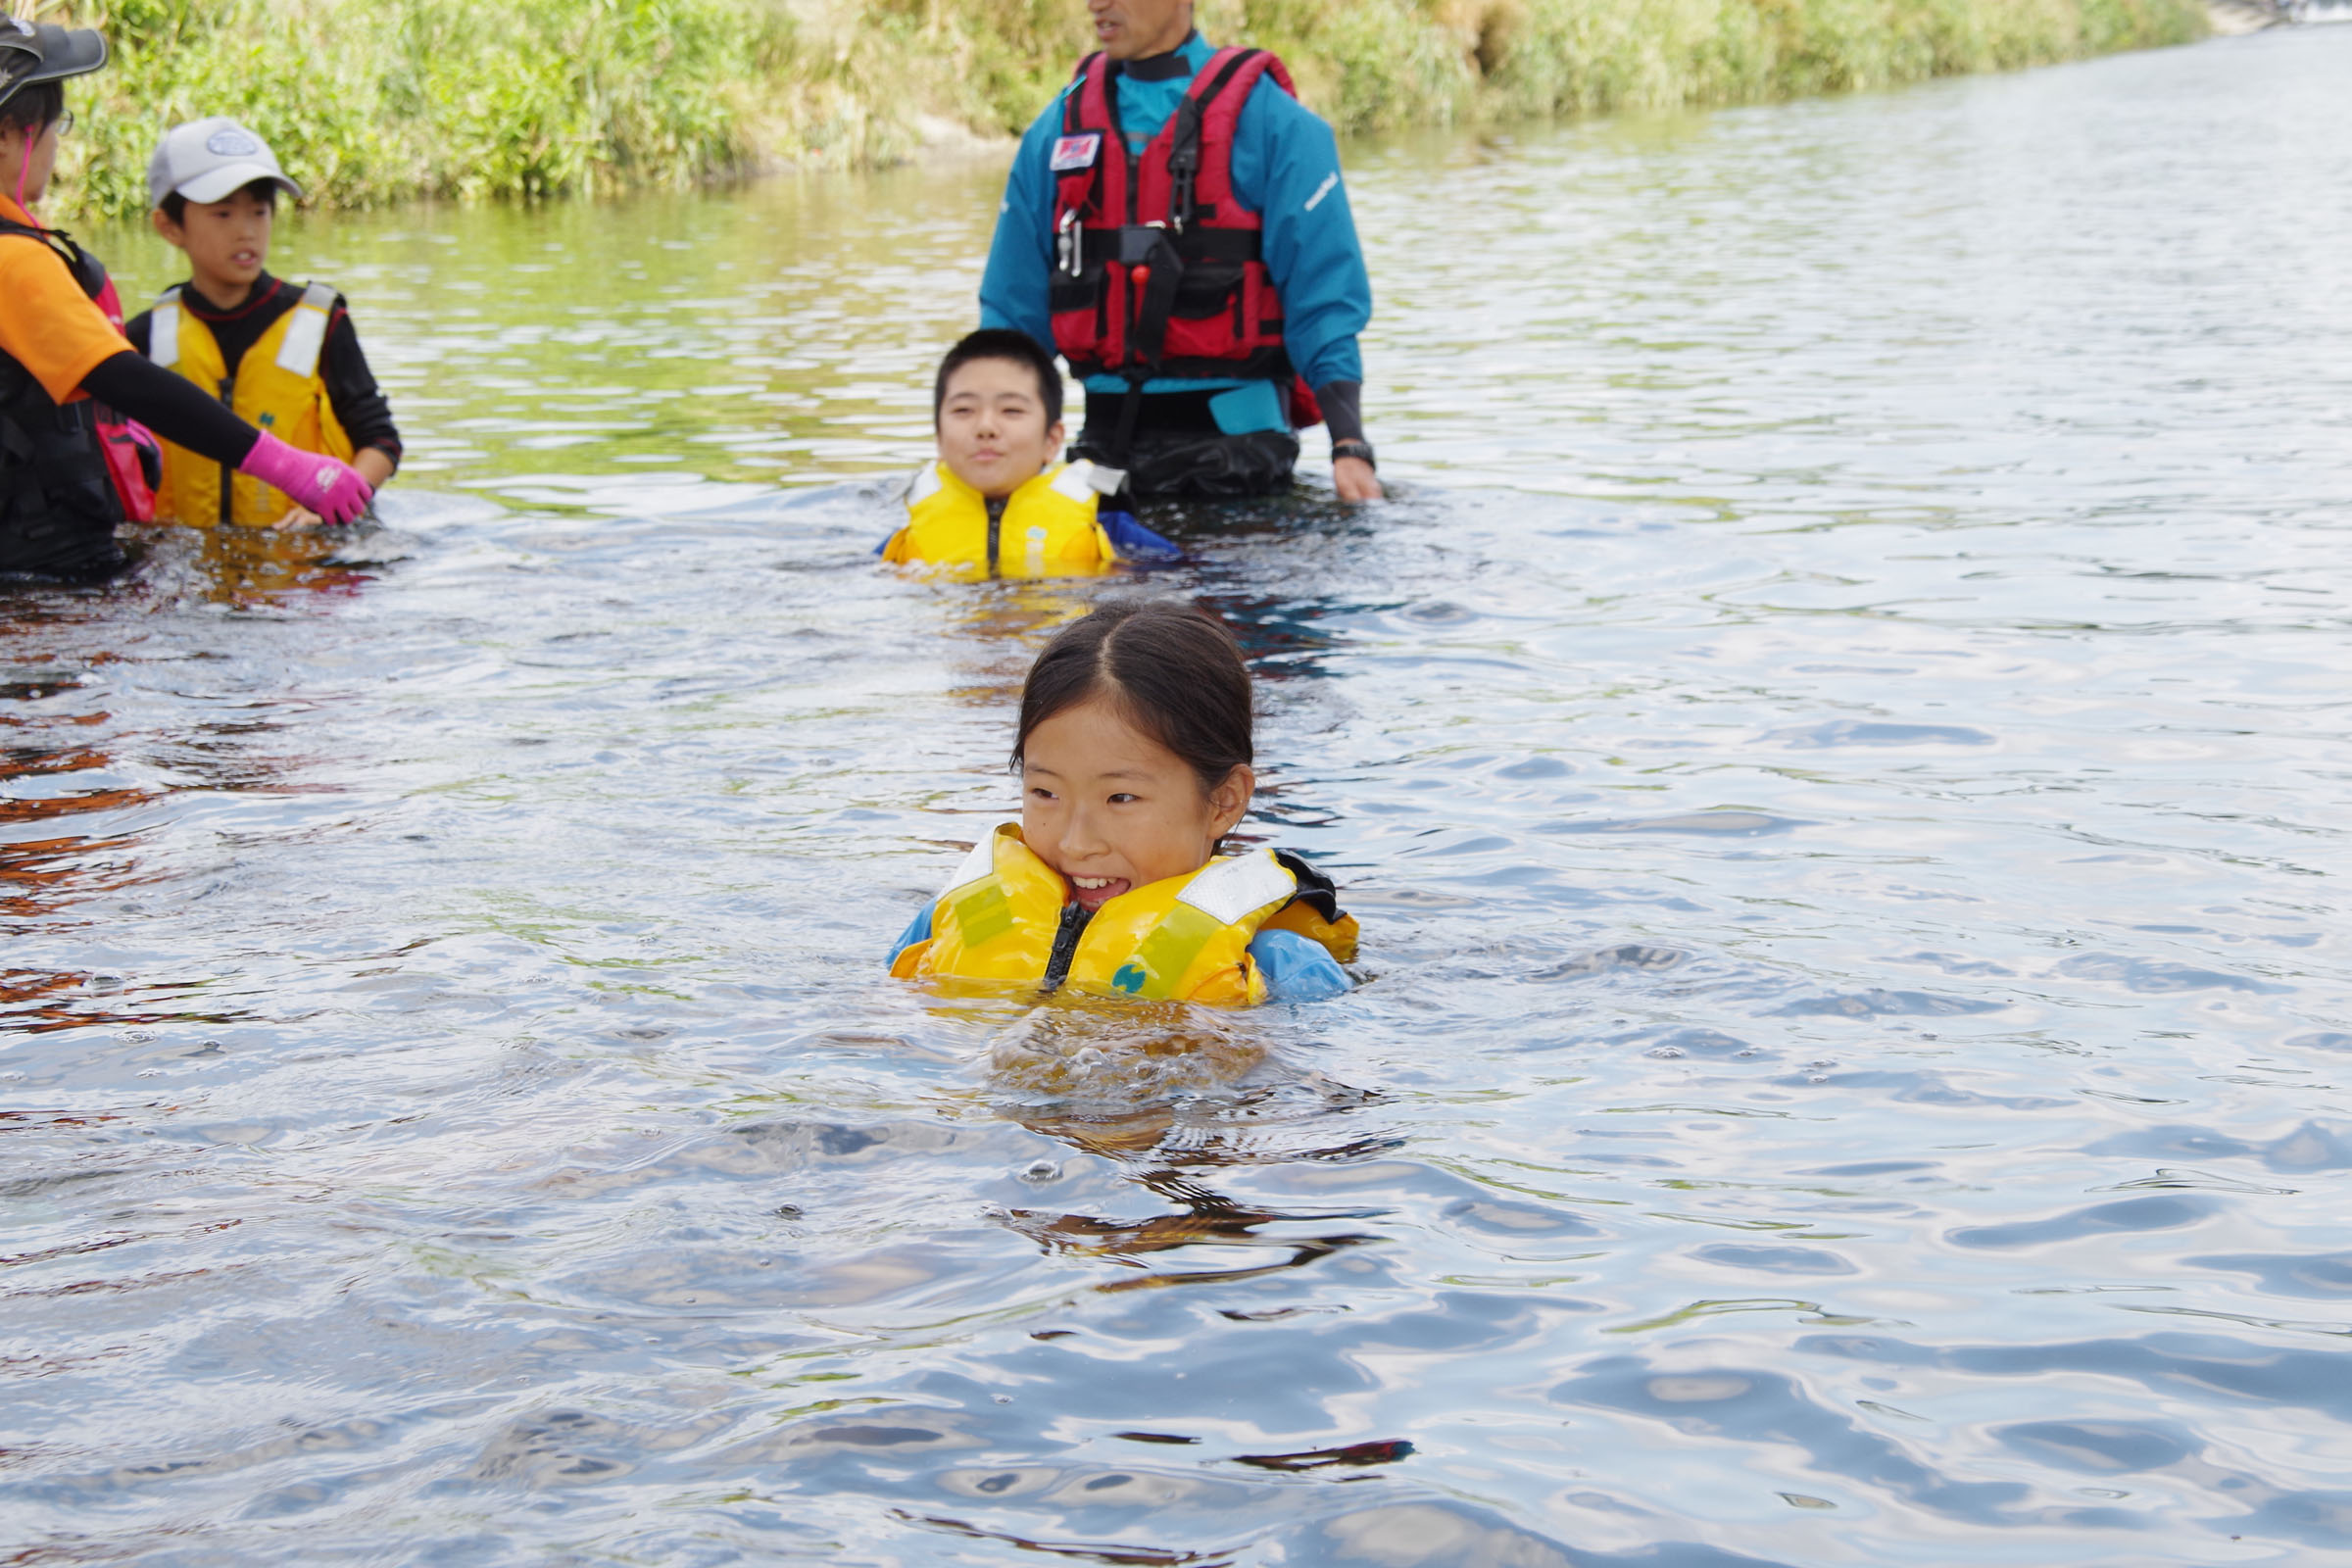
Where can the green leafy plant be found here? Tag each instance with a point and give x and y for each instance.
(372, 101)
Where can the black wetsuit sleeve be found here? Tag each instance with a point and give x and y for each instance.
(172, 406)
(360, 405)
(1343, 409)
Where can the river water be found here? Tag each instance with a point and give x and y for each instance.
(1839, 746)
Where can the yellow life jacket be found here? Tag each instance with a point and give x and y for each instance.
(277, 387)
(1048, 527)
(1006, 916)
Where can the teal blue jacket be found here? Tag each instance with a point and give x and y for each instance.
(1285, 166)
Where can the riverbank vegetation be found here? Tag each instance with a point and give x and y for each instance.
(372, 101)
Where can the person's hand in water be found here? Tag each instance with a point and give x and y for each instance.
(373, 465)
(314, 482)
(1354, 481)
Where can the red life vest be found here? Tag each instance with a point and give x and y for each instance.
(1158, 271)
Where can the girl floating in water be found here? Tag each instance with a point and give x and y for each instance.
(1135, 754)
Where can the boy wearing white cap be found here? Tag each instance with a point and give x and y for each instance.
(282, 356)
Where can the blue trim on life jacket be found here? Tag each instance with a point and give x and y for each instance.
(917, 929)
(1134, 541)
(1295, 967)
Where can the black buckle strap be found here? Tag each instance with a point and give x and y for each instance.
(1131, 243)
(1184, 148)
(1316, 890)
(1149, 337)
(1184, 163)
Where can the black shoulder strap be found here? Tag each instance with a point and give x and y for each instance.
(1224, 78)
(1184, 145)
(1316, 891)
(88, 275)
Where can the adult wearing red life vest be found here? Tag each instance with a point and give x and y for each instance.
(69, 379)
(1176, 226)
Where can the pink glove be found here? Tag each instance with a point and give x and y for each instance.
(317, 482)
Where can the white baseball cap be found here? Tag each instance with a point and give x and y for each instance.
(205, 160)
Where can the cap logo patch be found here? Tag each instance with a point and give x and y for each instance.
(231, 144)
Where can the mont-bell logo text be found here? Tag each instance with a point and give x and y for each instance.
(231, 144)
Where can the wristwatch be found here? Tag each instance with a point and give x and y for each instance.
(1355, 449)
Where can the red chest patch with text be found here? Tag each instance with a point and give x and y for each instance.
(1077, 152)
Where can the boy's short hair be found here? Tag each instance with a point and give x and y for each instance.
(34, 108)
(1001, 343)
(176, 205)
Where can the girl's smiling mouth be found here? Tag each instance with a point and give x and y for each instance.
(1091, 893)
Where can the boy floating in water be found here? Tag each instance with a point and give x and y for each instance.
(995, 504)
(1135, 752)
(281, 354)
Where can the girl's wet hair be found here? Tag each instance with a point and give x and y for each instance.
(1173, 672)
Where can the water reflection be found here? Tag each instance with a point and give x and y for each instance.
(251, 569)
(1168, 1149)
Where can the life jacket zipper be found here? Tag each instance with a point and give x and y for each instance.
(228, 474)
(1065, 945)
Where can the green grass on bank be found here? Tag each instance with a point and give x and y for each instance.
(372, 101)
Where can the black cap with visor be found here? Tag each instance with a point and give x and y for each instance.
(31, 53)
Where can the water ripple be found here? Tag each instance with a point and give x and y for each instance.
(1836, 745)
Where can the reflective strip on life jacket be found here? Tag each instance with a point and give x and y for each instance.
(306, 334)
(1187, 938)
(163, 331)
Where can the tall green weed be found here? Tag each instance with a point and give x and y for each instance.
(367, 100)
(370, 101)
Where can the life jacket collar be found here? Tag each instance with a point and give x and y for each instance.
(1005, 916)
(1050, 527)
